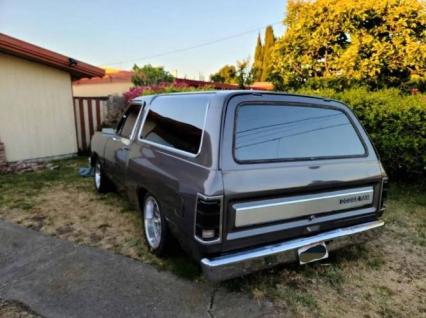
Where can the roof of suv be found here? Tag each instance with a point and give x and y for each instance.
(226, 93)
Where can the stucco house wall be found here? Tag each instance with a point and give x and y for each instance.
(101, 89)
(36, 110)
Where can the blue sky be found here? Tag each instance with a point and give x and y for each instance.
(106, 32)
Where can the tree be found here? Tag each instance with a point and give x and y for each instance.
(217, 78)
(267, 53)
(379, 43)
(150, 75)
(262, 65)
(244, 74)
(227, 74)
(258, 60)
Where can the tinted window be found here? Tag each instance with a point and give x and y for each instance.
(128, 121)
(272, 132)
(176, 121)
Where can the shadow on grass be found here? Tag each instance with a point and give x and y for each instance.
(182, 265)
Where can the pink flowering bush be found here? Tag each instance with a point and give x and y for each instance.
(162, 88)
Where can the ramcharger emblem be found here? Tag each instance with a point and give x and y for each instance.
(357, 198)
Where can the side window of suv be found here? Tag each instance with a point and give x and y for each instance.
(176, 122)
(127, 122)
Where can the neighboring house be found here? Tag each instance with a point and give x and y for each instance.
(115, 82)
(265, 86)
(36, 102)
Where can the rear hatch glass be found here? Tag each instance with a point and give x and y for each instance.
(285, 132)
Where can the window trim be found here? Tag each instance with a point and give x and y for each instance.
(295, 159)
(171, 149)
(118, 132)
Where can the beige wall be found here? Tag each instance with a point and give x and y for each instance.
(36, 110)
(101, 89)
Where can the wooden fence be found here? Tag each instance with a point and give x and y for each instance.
(89, 113)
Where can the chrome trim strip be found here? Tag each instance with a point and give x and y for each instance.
(171, 149)
(299, 223)
(207, 198)
(264, 211)
(239, 263)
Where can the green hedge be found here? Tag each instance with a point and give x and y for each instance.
(395, 122)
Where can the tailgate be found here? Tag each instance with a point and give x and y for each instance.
(266, 205)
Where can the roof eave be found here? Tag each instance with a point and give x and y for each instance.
(37, 54)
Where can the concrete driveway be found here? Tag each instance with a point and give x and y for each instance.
(56, 278)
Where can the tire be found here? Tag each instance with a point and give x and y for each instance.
(100, 180)
(156, 232)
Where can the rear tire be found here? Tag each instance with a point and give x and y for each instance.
(100, 180)
(156, 232)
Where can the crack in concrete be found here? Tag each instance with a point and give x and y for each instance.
(211, 304)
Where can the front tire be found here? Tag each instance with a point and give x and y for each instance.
(155, 227)
(101, 181)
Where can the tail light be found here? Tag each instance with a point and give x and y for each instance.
(385, 189)
(208, 218)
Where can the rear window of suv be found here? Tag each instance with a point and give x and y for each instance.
(284, 132)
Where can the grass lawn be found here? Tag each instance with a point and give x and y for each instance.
(384, 278)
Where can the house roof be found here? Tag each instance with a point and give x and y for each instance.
(28, 51)
(110, 77)
(114, 76)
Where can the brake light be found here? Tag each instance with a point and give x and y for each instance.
(208, 217)
(385, 189)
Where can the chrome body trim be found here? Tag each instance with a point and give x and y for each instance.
(298, 223)
(244, 262)
(264, 211)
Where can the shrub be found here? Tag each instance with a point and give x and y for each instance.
(161, 88)
(395, 122)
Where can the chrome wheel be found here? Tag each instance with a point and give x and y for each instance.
(98, 175)
(152, 222)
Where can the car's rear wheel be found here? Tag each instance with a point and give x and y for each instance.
(101, 181)
(155, 226)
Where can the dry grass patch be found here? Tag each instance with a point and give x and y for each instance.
(84, 218)
(13, 309)
(62, 204)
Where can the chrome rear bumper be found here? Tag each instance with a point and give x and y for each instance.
(244, 262)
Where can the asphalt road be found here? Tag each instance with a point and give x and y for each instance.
(56, 278)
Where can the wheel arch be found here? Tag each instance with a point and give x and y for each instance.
(93, 158)
(141, 191)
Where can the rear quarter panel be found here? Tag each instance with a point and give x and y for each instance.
(175, 179)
